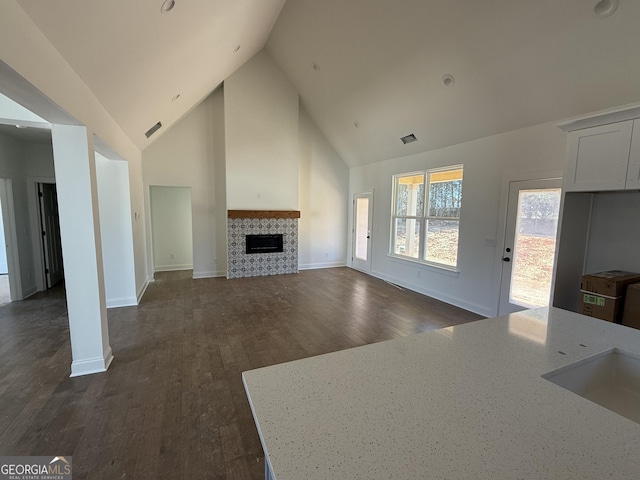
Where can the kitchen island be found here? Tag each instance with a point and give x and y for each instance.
(465, 402)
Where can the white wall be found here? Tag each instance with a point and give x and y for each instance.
(190, 155)
(488, 164)
(116, 233)
(323, 199)
(171, 228)
(38, 160)
(261, 132)
(614, 240)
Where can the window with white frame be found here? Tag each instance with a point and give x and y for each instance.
(426, 216)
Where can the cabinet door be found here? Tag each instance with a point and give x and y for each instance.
(598, 158)
(633, 174)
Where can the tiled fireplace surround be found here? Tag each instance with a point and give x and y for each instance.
(241, 223)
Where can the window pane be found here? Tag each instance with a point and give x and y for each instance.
(442, 242)
(410, 192)
(407, 237)
(362, 228)
(445, 198)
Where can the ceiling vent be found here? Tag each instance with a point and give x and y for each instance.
(409, 138)
(153, 129)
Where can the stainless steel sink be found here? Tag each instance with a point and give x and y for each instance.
(610, 379)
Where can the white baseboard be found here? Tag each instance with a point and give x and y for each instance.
(143, 289)
(122, 302)
(315, 266)
(173, 268)
(209, 274)
(92, 365)
(457, 302)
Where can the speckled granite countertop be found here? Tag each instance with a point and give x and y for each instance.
(465, 402)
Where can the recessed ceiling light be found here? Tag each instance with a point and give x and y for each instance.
(175, 97)
(604, 8)
(236, 49)
(315, 66)
(448, 80)
(167, 6)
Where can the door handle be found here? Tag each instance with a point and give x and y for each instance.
(368, 236)
(506, 259)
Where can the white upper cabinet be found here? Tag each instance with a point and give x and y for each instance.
(633, 174)
(599, 158)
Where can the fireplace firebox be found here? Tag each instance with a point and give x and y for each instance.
(271, 243)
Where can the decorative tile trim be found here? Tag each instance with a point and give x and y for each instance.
(261, 264)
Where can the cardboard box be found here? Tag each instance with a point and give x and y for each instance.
(598, 306)
(631, 312)
(611, 283)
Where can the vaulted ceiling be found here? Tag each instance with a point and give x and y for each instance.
(136, 60)
(368, 71)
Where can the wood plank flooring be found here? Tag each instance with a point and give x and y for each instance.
(172, 404)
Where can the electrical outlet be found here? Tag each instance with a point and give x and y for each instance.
(172, 256)
(326, 254)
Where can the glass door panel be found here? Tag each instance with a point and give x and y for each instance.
(530, 244)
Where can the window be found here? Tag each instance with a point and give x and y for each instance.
(426, 216)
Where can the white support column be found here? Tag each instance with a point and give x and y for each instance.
(75, 170)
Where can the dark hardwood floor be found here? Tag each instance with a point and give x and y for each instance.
(172, 404)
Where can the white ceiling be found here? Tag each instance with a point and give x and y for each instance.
(516, 64)
(381, 62)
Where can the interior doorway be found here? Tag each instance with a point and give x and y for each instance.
(362, 224)
(50, 229)
(529, 245)
(171, 228)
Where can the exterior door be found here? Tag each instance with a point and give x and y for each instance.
(50, 224)
(362, 222)
(530, 244)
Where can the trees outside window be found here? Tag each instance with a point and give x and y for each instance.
(426, 217)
